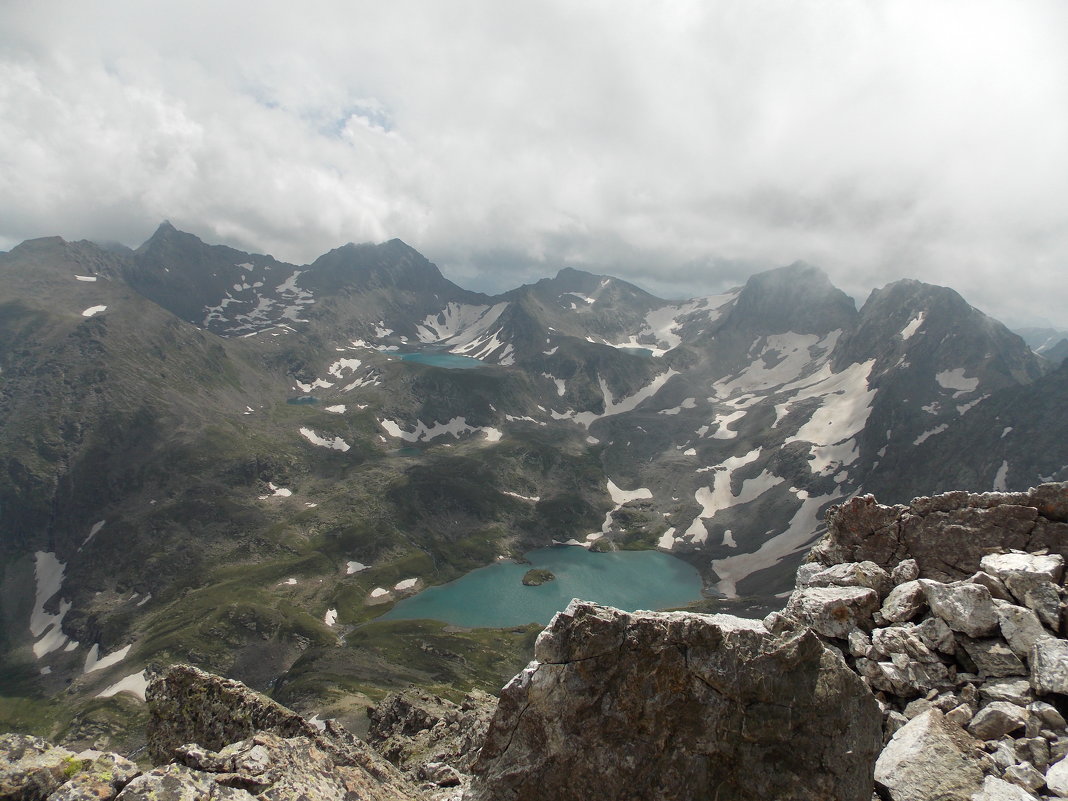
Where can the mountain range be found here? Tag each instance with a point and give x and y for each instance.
(217, 457)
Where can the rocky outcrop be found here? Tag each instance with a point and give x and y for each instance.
(947, 535)
(966, 650)
(677, 705)
(432, 739)
(32, 769)
(188, 706)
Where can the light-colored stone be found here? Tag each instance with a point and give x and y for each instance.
(965, 607)
(997, 587)
(1025, 775)
(997, 719)
(937, 636)
(853, 574)
(1057, 777)
(905, 570)
(1049, 567)
(901, 640)
(1020, 627)
(1049, 666)
(1042, 597)
(833, 611)
(960, 715)
(904, 602)
(860, 644)
(30, 767)
(993, 657)
(179, 783)
(1014, 690)
(995, 789)
(929, 758)
(1048, 714)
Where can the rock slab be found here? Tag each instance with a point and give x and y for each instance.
(678, 705)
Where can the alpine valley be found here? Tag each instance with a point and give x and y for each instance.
(213, 457)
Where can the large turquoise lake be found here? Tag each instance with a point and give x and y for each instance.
(495, 596)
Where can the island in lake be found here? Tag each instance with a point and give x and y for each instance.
(537, 577)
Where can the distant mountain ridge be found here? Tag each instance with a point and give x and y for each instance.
(246, 430)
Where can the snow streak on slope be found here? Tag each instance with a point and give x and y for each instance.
(718, 496)
(619, 497)
(783, 358)
(796, 537)
(458, 323)
(612, 406)
(424, 433)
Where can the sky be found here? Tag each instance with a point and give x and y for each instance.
(679, 145)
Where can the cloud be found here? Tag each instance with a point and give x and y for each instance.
(676, 145)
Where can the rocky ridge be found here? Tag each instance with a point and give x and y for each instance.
(923, 654)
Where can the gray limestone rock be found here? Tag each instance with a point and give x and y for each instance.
(1025, 775)
(1045, 567)
(930, 758)
(901, 640)
(677, 705)
(833, 611)
(904, 602)
(1048, 714)
(1014, 690)
(1057, 777)
(997, 719)
(1042, 597)
(937, 636)
(965, 607)
(905, 570)
(853, 574)
(1020, 627)
(997, 587)
(1049, 666)
(995, 789)
(992, 657)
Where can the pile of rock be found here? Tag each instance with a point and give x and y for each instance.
(971, 671)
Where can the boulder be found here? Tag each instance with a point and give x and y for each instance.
(930, 758)
(678, 705)
(1049, 666)
(1020, 627)
(1043, 567)
(833, 611)
(1014, 690)
(992, 657)
(187, 705)
(179, 783)
(965, 607)
(1057, 778)
(995, 789)
(853, 574)
(997, 719)
(904, 602)
(31, 768)
(102, 776)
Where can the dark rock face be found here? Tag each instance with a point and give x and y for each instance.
(676, 705)
(948, 534)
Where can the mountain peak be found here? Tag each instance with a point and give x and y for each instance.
(798, 297)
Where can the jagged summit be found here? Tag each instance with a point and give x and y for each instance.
(798, 298)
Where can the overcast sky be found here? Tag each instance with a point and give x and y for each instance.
(680, 145)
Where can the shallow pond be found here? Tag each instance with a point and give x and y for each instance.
(450, 361)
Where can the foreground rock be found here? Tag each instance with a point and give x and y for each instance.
(675, 705)
(283, 753)
(32, 769)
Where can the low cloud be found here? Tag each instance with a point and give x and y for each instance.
(677, 145)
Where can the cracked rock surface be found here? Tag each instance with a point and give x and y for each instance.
(676, 705)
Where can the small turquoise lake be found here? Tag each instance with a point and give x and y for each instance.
(450, 361)
(495, 596)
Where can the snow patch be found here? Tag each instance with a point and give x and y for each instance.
(954, 379)
(135, 684)
(612, 406)
(85, 277)
(531, 498)
(688, 403)
(92, 532)
(276, 492)
(339, 409)
(1002, 475)
(797, 537)
(48, 572)
(379, 592)
(355, 567)
(406, 584)
(422, 432)
(926, 435)
(337, 443)
(913, 325)
(95, 662)
(330, 618)
(93, 310)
